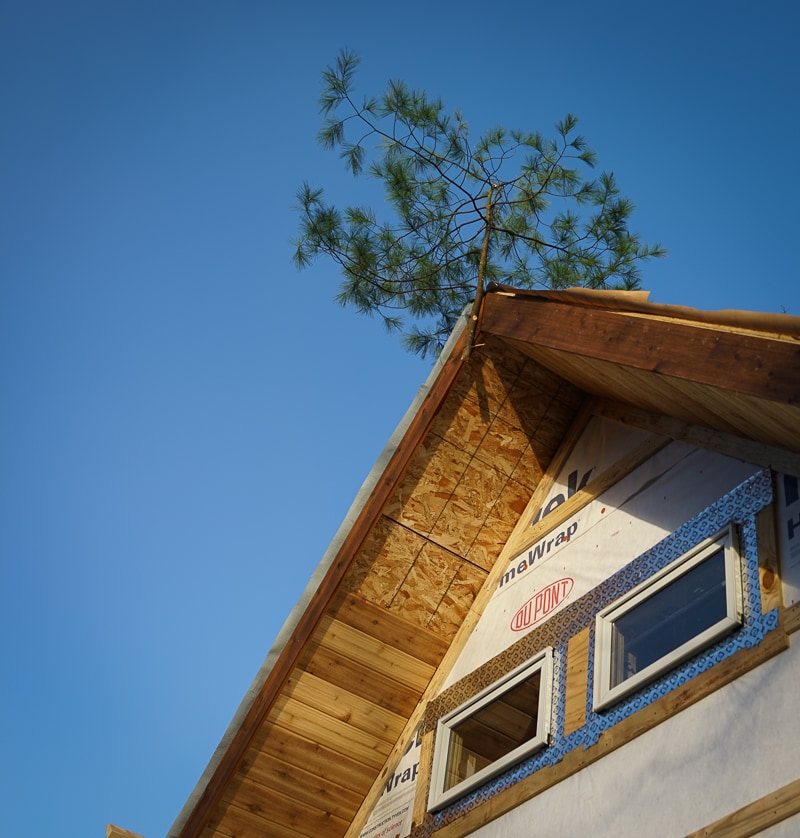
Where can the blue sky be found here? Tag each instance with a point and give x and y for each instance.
(186, 418)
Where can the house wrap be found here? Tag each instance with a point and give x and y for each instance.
(564, 602)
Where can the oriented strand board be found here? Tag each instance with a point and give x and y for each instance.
(498, 526)
(468, 507)
(432, 477)
(425, 584)
(457, 601)
(502, 446)
(383, 563)
(460, 423)
(485, 381)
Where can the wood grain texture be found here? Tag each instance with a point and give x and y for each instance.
(754, 364)
(791, 618)
(414, 572)
(577, 682)
(768, 564)
(736, 414)
(368, 515)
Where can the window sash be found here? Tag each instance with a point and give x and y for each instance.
(613, 680)
(458, 766)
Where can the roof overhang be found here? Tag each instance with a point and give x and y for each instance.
(330, 708)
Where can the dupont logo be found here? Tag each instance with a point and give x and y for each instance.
(542, 603)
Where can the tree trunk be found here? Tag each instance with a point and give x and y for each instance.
(476, 305)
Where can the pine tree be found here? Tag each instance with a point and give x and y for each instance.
(512, 207)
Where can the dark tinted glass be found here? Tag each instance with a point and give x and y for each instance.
(669, 618)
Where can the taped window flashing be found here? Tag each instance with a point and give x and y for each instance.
(662, 622)
(497, 728)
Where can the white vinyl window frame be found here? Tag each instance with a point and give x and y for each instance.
(608, 688)
(442, 792)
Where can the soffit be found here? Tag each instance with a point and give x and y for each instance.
(315, 734)
(739, 381)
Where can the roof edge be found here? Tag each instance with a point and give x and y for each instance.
(786, 325)
(323, 568)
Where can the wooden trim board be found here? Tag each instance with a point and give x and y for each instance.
(757, 816)
(758, 365)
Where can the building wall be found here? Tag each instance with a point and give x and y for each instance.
(701, 761)
(727, 750)
(645, 506)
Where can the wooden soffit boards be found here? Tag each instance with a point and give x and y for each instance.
(772, 423)
(753, 364)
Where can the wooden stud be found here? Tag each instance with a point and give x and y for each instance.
(791, 618)
(577, 681)
(767, 456)
(423, 778)
(768, 572)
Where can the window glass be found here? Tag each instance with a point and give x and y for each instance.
(493, 731)
(667, 619)
(497, 728)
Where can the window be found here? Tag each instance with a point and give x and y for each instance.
(672, 616)
(495, 729)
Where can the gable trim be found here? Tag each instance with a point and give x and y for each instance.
(751, 364)
(306, 615)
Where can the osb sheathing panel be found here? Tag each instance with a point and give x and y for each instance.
(457, 600)
(467, 484)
